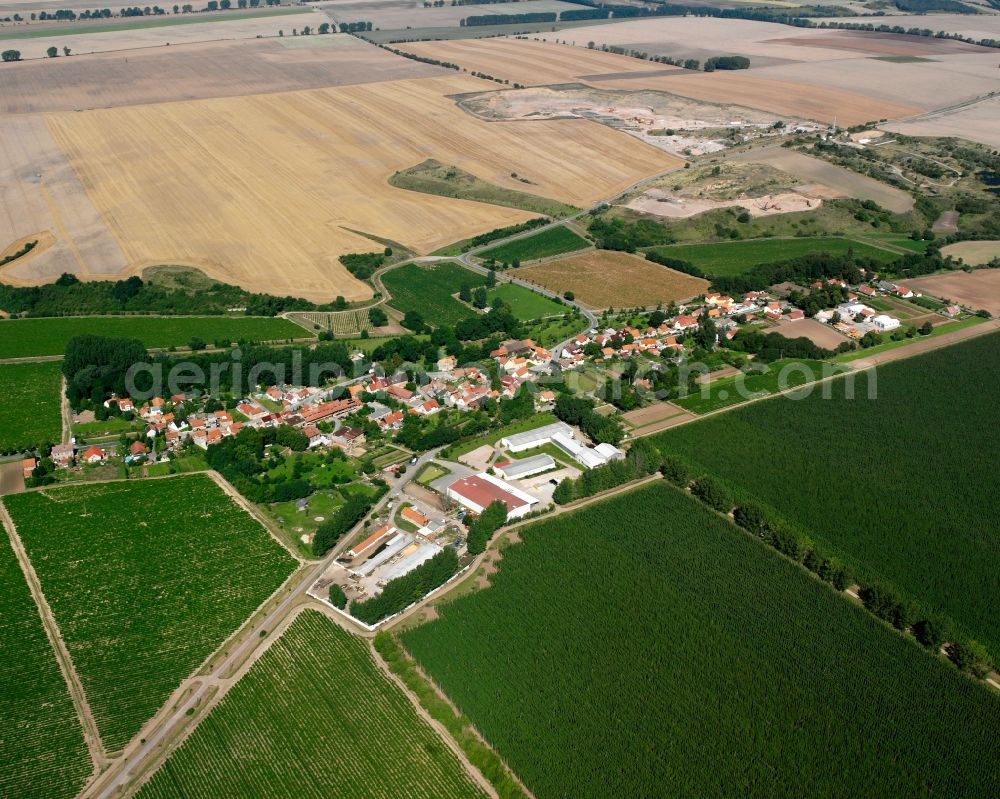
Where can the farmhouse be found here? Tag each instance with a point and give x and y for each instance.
(413, 516)
(62, 454)
(478, 491)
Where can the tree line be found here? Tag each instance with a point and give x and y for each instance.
(402, 592)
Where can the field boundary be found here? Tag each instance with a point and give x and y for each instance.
(88, 725)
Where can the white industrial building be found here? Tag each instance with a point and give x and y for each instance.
(885, 323)
(561, 434)
(526, 467)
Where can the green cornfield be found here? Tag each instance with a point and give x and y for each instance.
(314, 718)
(430, 291)
(145, 579)
(644, 646)
(903, 488)
(42, 751)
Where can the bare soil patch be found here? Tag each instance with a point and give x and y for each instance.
(819, 334)
(977, 289)
(602, 279)
(881, 43)
(842, 182)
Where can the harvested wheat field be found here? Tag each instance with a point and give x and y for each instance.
(977, 289)
(977, 122)
(200, 71)
(973, 253)
(533, 63)
(265, 191)
(820, 103)
(42, 200)
(604, 278)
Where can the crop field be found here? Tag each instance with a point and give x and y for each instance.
(200, 71)
(977, 289)
(737, 257)
(23, 338)
(526, 304)
(604, 278)
(973, 253)
(313, 718)
(430, 290)
(144, 588)
(911, 499)
(129, 34)
(699, 663)
(41, 745)
(549, 242)
(30, 412)
(778, 376)
(530, 63)
(166, 203)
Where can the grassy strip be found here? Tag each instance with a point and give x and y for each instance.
(538, 420)
(889, 344)
(459, 727)
(433, 177)
(553, 241)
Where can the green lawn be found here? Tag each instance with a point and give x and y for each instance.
(782, 374)
(430, 473)
(526, 304)
(41, 745)
(27, 338)
(429, 290)
(146, 578)
(552, 241)
(146, 22)
(314, 718)
(737, 257)
(902, 487)
(30, 413)
(643, 646)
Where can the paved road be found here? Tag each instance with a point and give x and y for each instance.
(139, 756)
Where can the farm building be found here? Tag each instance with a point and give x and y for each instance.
(561, 434)
(885, 323)
(478, 491)
(369, 545)
(517, 470)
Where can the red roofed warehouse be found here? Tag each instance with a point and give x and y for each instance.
(479, 490)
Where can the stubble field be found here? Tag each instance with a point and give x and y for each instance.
(145, 580)
(313, 718)
(604, 278)
(288, 177)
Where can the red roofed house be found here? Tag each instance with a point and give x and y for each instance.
(137, 448)
(369, 545)
(796, 314)
(28, 466)
(480, 490)
(414, 516)
(92, 455)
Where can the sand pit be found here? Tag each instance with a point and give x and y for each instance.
(834, 180)
(603, 278)
(208, 28)
(264, 191)
(200, 71)
(664, 203)
(819, 334)
(973, 253)
(529, 62)
(977, 289)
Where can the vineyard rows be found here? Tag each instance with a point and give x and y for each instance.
(42, 751)
(644, 646)
(145, 580)
(902, 489)
(312, 719)
(29, 405)
(341, 323)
